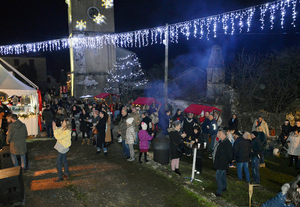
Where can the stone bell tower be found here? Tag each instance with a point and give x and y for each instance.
(215, 73)
(89, 67)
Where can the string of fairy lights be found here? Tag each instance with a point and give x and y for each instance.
(233, 22)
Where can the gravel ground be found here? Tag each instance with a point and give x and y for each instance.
(97, 180)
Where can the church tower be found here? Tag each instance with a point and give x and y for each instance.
(215, 73)
(89, 67)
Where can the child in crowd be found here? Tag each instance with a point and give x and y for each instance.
(144, 138)
(130, 137)
(199, 140)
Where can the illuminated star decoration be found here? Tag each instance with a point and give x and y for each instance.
(108, 3)
(81, 25)
(99, 19)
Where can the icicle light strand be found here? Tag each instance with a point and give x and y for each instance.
(229, 22)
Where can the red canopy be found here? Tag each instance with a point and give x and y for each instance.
(146, 101)
(197, 109)
(104, 95)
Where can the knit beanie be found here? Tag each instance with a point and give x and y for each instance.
(130, 120)
(144, 126)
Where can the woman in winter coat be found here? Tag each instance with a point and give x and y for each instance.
(175, 140)
(294, 147)
(289, 195)
(130, 137)
(144, 138)
(101, 128)
(85, 126)
(108, 134)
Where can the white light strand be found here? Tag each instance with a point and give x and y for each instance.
(294, 2)
(142, 38)
(225, 18)
(250, 13)
(232, 17)
(263, 9)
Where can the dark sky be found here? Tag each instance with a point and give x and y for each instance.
(38, 20)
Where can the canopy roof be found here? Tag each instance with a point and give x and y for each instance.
(104, 95)
(197, 109)
(146, 101)
(11, 85)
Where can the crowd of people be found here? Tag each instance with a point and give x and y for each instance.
(138, 125)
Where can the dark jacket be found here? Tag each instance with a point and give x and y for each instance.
(213, 127)
(84, 125)
(224, 155)
(256, 148)
(242, 149)
(175, 139)
(177, 117)
(47, 115)
(285, 132)
(101, 126)
(233, 124)
(205, 126)
(16, 138)
(188, 126)
(200, 138)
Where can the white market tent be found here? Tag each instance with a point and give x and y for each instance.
(12, 86)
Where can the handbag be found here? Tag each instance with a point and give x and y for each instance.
(95, 131)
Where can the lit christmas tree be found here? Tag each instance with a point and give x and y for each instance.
(125, 76)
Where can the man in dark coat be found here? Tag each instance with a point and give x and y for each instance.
(205, 130)
(47, 116)
(223, 155)
(241, 151)
(213, 130)
(16, 138)
(256, 150)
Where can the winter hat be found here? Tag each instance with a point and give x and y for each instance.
(202, 113)
(144, 126)
(130, 120)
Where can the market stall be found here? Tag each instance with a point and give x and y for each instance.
(147, 101)
(20, 98)
(198, 109)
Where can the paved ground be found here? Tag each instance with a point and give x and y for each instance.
(97, 180)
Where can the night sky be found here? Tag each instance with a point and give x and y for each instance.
(32, 21)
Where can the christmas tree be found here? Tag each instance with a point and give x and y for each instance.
(125, 76)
